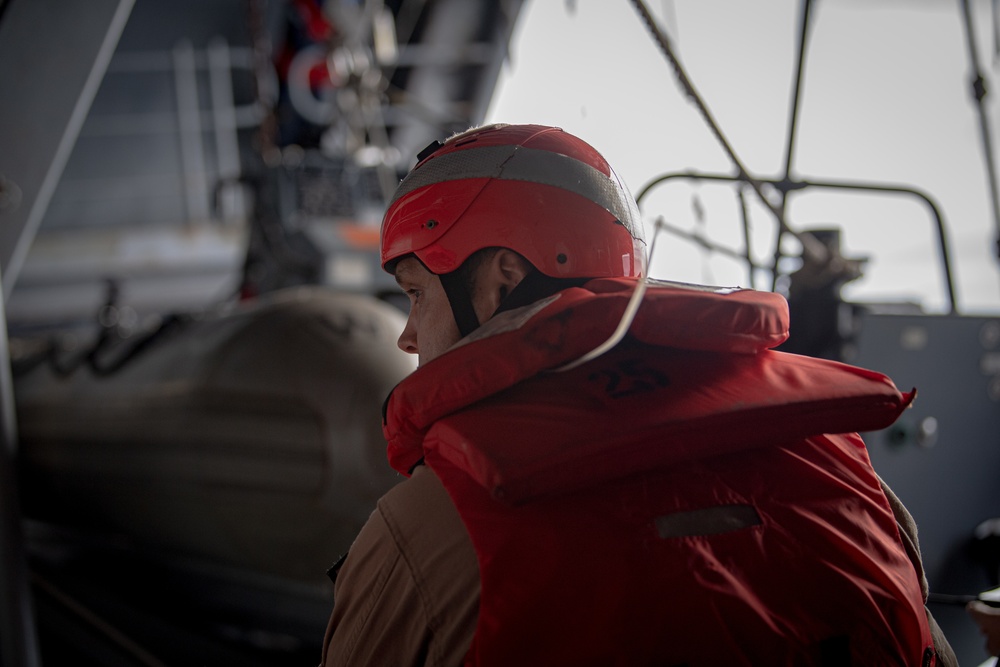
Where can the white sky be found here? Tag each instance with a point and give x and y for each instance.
(885, 100)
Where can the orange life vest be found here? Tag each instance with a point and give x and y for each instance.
(674, 501)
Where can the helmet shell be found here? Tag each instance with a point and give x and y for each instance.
(537, 190)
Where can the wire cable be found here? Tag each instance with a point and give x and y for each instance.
(625, 323)
(810, 246)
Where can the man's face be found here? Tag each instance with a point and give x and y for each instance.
(430, 328)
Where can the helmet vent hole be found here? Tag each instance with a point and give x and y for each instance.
(561, 258)
(431, 224)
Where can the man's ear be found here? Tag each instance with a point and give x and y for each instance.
(498, 277)
(512, 267)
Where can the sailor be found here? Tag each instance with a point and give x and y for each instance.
(606, 470)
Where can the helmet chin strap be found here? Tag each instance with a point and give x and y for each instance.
(456, 287)
(534, 286)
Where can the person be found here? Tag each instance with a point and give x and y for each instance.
(987, 619)
(601, 469)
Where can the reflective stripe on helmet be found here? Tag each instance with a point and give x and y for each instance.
(520, 163)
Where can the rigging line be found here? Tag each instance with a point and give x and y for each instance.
(793, 122)
(702, 242)
(995, 13)
(793, 118)
(810, 246)
(979, 93)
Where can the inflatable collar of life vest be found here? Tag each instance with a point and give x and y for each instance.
(696, 376)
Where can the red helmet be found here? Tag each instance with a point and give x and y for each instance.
(537, 190)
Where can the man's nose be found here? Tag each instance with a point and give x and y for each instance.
(407, 341)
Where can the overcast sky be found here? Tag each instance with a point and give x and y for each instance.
(885, 100)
